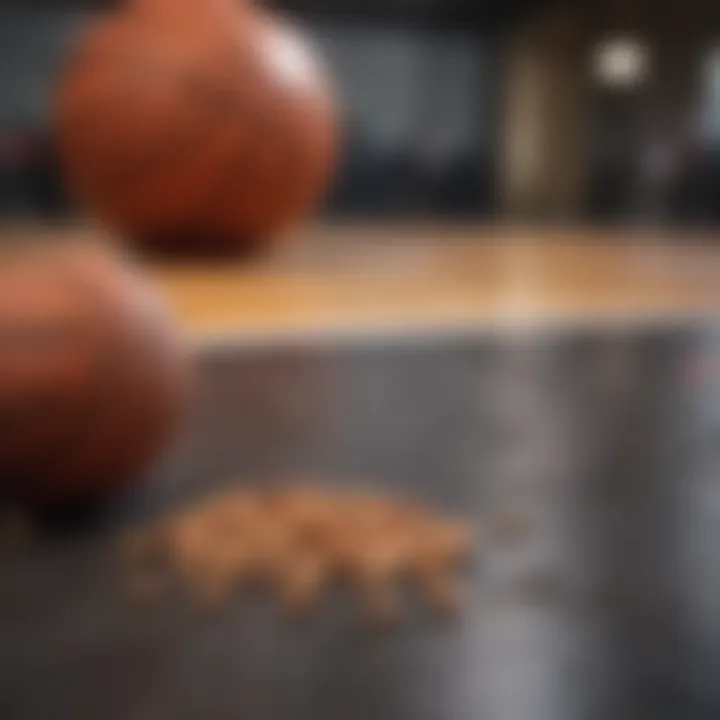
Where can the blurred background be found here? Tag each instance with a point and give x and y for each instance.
(592, 113)
(597, 111)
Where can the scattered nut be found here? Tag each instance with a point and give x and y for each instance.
(298, 542)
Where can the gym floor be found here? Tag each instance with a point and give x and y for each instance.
(408, 278)
(381, 358)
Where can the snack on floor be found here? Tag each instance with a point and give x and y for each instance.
(297, 543)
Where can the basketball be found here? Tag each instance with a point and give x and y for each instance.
(196, 127)
(93, 375)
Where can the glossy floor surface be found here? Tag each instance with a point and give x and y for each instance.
(603, 438)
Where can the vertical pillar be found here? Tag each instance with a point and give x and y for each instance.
(543, 157)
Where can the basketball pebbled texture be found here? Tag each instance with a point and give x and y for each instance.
(200, 127)
(94, 377)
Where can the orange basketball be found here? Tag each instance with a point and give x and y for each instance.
(93, 376)
(201, 126)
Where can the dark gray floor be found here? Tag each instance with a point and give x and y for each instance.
(609, 607)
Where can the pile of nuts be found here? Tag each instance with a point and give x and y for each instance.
(297, 543)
